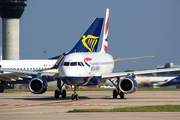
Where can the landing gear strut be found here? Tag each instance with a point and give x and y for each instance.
(60, 92)
(75, 96)
(117, 92)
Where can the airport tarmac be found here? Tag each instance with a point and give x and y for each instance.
(28, 106)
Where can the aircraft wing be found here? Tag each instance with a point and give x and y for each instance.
(14, 75)
(123, 74)
(126, 59)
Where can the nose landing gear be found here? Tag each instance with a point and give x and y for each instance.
(75, 96)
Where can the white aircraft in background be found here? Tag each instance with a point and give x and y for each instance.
(147, 81)
(168, 82)
(87, 68)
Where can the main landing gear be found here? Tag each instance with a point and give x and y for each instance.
(1, 89)
(75, 96)
(60, 92)
(117, 92)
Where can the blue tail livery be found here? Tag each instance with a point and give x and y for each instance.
(89, 40)
(87, 43)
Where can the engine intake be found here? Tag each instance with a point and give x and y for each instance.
(38, 85)
(127, 85)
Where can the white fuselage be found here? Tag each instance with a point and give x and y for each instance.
(27, 64)
(85, 68)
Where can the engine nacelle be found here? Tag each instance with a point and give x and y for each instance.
(38, 85)
(127, 85)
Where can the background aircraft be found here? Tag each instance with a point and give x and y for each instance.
(169, 82)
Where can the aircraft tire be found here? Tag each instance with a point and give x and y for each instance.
(114, 94)
(64, 94)
(72, 97)
(56, 94)
(122, 95)
(1, 89)
(76, 97)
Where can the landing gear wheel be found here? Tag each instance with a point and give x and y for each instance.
(76, 97)
(56, 94)
(72, 97)
(64, 94)
(117, 91)
(115, 94)
(1, 89)
(122, 95)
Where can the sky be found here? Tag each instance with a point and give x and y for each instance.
(136, 28)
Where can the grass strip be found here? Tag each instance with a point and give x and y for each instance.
(162, 108)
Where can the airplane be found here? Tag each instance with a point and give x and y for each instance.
(169, 82)
(87, 68)
(38, 65)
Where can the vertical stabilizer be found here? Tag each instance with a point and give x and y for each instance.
(105, 33)
(87, 43)
(90, 39)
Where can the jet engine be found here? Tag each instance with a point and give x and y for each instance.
(127, 85)
(38, 85)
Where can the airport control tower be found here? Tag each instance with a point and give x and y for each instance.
(10, 12)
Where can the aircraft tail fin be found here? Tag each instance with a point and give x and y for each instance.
(105, 33)
(90, 39)
(87, 43)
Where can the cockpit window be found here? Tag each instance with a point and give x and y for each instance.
(80, 64)
(73, 64)
(66, 64)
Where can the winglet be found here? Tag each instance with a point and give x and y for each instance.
(58, 61)
(105, 33)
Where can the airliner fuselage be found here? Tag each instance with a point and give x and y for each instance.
(85, 68)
